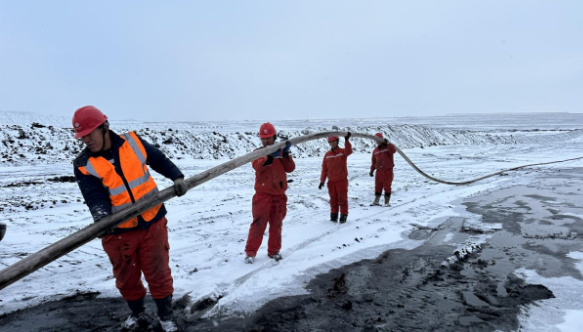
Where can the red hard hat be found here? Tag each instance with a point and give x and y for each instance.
(333, 138)
(379, 135)
(86, 119)
(266, 130)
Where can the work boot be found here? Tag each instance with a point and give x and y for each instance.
(277, 256)
(165, 313)
(137, 307)
(334, 217)
(377, 198)
(387, 199)
(249, 259)
(343, 218)
(132, 323)
(135, 323)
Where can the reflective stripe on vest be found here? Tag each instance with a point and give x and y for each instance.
(132, 158)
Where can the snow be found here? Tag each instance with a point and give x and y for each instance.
(25, 141)
(573, 319)
(561, 314)
(208, 226)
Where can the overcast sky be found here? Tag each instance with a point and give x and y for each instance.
(273, 60)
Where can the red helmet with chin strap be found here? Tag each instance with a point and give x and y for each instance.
(267, 130)
(86, 119)
(333, 138)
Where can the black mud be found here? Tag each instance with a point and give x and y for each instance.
(438, 286)
(402, 290)
(76, 313)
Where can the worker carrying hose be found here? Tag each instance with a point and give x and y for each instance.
(334, 168)
(112, 173)
(383, 162)
(269, 202)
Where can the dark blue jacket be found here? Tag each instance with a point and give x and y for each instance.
(96, 194)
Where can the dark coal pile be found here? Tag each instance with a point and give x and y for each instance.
(402, 290)
(80, 312)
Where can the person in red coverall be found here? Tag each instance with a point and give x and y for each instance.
(269, 201)
(113, 173)
(334, 168)
(383, 163)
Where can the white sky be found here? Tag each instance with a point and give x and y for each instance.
(273, 60)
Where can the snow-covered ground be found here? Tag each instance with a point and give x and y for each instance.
(208, 227)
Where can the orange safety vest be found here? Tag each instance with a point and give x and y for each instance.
(132, 157)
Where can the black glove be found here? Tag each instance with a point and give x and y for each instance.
(269, 160)
(180, 187)
(285, 152)
(321, 185)
(275, 154)
(385, 142)
(347, 136)
(371, 173)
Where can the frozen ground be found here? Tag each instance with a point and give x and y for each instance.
(208, 228)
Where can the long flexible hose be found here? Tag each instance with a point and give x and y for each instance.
(302, 139)
(476, 179)
(60, 248)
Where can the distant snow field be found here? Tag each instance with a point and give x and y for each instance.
(208, 227)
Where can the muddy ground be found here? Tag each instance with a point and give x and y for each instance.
(434, 287)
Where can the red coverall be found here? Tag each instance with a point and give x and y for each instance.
(382, 161)
(269, 203)
(133, 252)
(334, 167)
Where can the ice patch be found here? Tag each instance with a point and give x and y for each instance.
(474, 224)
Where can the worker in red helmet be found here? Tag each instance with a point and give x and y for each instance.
(112, 174)
(383, 162)
(269, 202)
(334, 168)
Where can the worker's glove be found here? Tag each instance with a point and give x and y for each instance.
(321, 185)
(285, 152)
(275, 154)
(180, 187)
(371, 173)
(268, 161)
(347, 136)
(106, 232)
(385, 142)
(287, 146)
